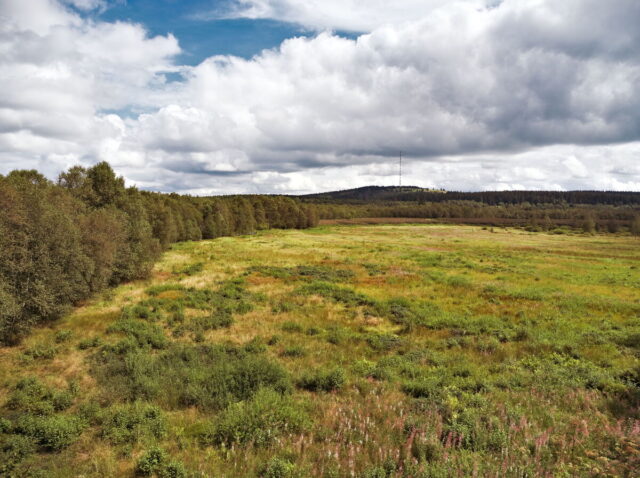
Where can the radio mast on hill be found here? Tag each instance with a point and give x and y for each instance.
(400, 170)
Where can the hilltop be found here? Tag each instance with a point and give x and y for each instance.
(418, 194)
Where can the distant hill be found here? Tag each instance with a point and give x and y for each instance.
(368, 194)
(373, 193)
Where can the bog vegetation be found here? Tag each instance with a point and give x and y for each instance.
(359, 351)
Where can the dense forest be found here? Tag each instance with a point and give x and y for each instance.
(60, 242)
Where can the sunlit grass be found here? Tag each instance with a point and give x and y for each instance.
(461, 350)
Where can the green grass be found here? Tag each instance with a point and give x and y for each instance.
(367, 351)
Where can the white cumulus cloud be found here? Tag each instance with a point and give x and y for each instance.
(520, 93)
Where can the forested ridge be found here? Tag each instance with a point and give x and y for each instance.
(62, 241)
(589, 211)
(421, 195)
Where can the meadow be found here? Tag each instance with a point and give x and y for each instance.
(373, 351)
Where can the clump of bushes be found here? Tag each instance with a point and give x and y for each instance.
(280, 468)
(294, 351)
(31, 396)
(41, 351)
(13, 450)
(144, 333)
(90, 343)
(258, 420)
(52, 433)
(383, 342)
(157, 462)
(63, 336)
(131, 422)
(206, 376)
(215, 321)
(37, 421)
(327, 380)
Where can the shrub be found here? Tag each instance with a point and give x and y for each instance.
(383, 342)
(144, 333)
(53, 432)
(314, 331)
(41, 351)
(258, 420)
(90, 343)
(130, 423)
(209, 377)
(424, 388)
(337, 335)
(323, 380)
(215, 321)
(153, 461)
(274, 340)
(426, 450)
(140, 311)
(13, 450)
(279, 468)
(387, 470)
(63, 336)
(32, 397)
(292, 327)
(294, 351)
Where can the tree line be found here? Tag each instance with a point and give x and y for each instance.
(540, 216)
(368, 194)
(62, 241)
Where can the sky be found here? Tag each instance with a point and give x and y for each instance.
(300, 96)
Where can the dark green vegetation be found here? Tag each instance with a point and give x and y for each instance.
(380, 351)
(587, 211)
(60, 243)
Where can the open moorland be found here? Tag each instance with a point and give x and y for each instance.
(342, 351)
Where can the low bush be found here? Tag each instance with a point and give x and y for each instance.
(323, 380)
(292, 327)
(133, 422)
(41, 351)
(209, 377)
(259, 420)
(383, 342)
(294, 351)
(215, 321)
(157, 462)
(144, 333)
(63, 336)
(53, 433)
(13, 450)
(279, 468)
(30, 396)
(90, 343)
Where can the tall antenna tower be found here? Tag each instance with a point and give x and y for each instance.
(400, 170)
